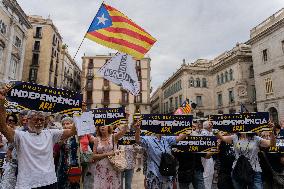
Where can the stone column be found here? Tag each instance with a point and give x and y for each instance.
(21, 63)
(9, 50)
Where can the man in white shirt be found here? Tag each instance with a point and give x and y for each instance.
(34, 149)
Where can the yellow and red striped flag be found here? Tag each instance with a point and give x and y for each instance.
(113, 29)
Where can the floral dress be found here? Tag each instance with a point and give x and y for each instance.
(105, 177)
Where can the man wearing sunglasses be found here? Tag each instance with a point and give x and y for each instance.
(34, 149)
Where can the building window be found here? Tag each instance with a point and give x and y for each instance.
(222, 78)
(124, 96)
(13, 67)
(18, 42)
(218, 80)
(106, 96)
(251, 72)
(231, 96)
(231, 75)
(199, 101)
(33, 75)
(106, 82)
(268, 86)
(89, 84)
(3, 27)
(138, 98)
(35, 59)
(191, 82)
(55, 81)
(176, 102)
(204, 83)
(139, 74)
(38, 33)
(282, 45)
(54, 40)
(198, 82)
(226, 77)
(91, 64)
(89, 97)
(171, 103)
(138, 63)
(264, 55)
(220, 100)
(180, 100)
(36, 45)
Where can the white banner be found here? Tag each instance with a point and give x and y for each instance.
(120, 69)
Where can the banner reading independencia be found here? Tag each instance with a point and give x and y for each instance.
(197, 144)
(24, 95)
(108, 116)
(244, 122)
(165, 124)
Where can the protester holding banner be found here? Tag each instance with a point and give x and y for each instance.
(34, 171)
(105, 144)
(68, 158)
(247, 147)
(155, 146)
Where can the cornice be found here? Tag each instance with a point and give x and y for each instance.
(266, 32)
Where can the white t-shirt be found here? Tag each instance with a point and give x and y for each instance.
(35, 158)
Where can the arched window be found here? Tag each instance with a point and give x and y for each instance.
(222, 78)
(231, 75)
(191, 82)
(204, 82)
(226, 76)
(198, 82)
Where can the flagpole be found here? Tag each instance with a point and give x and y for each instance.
(85, 35)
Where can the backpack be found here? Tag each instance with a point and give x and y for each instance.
(243, 171)
(168, 163)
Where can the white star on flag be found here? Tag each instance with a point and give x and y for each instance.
(102, 19)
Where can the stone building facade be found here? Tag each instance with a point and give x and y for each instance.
(14, 27)
(156, 101)
(99, 92)
(71, 73)
(42, 60)
(267, 44)
(220, 85)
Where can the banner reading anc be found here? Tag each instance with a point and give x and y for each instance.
(165, 124)
(244, 122)
(108, 116)
(197, 144)
(30, 96)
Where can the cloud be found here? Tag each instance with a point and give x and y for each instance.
(189, 29)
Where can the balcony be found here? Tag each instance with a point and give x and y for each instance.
(137, 101)
(38, 35)
(105, 101)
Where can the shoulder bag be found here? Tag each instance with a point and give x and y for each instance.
(118, 160)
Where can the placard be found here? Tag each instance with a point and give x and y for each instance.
(2, 159)
(196, 144)
(243, 122)
(108, 116)
(30, 96)
(165, 124)
(127, 139)
(279, 147)
(85, 123)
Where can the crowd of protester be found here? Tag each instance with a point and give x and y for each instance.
(43, 151)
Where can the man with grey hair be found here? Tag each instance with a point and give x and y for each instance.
(208, 164)
(34, 149)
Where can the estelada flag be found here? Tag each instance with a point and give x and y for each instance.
(186, 107)
(113, 29)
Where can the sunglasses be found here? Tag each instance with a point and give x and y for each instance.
(11, 121)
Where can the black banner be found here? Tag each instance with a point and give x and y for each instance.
(127, 139)
(244, 122)
(279, 147)
(108, 116)
(196, 144)
(24, 95)
(165, 124)
(2, 159)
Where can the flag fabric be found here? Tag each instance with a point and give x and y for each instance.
(179, 111)
(113, 29)
(186, 107)
(120, 69)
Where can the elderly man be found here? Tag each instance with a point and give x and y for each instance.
(34, 149)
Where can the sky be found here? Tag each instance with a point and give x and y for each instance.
(184, 29)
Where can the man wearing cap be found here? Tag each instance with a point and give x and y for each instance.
(34, 149)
